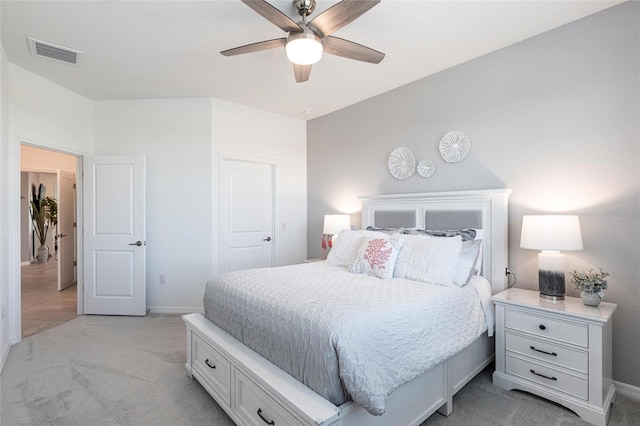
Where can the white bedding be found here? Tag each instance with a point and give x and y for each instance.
(347, 336)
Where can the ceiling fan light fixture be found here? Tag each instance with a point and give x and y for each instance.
(304, 48)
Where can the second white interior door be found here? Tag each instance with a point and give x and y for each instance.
(246, 207)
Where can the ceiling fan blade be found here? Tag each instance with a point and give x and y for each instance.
(273, 15)
(349, 49)
(255, 47)
(340, 14)
(302, 72)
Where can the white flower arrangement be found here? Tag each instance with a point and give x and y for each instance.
(590, 281)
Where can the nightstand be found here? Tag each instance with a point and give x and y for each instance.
(559, 350)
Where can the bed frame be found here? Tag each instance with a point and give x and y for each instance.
(253, 391)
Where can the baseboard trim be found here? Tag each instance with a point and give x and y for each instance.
(627, 390)
(173, 310)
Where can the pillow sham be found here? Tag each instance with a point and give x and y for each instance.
(377, 257)
(428, 259)
(345, 246)
(388, 231)
(466, 265)
(467, 234)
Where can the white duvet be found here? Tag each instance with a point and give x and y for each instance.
(345, 336)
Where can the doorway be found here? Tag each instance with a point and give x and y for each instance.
(49, 294)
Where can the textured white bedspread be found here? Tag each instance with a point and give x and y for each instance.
(345, 336)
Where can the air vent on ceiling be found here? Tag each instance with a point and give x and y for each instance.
(47, 50)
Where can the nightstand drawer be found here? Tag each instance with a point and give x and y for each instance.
(575, 385)
(214, 368)
(577, 334)
(547, 352)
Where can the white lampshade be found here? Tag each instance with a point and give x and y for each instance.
(551, 232)
(334, 223)
(304, 48)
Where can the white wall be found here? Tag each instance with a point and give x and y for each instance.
(5, 341)
(46, 114)
(242, 131)
(175, 137)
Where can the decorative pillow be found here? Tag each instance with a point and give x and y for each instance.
(428, 259)
(388, 231)
(346, 244)
(466, 265)
(377, 257)
(468, 234)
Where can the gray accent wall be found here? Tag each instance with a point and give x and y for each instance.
(555, 118)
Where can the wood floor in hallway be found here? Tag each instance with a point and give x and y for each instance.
(43, 306)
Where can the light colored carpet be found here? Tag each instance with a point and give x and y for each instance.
(98, 371)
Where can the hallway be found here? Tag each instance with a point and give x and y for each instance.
(43, 306)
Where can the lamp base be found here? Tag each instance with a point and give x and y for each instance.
(551, 275)
(551, 297)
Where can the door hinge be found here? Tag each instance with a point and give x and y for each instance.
(75, 224)
(75, 263)
(74, 186)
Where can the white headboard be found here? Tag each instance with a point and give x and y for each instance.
(482, 209)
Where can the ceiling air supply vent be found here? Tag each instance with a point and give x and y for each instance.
(53, 51)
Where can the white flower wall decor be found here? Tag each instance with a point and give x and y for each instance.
(454, 146)
(426, 168)
(402, 163)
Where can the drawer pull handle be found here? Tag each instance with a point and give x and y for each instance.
(544, 352)
(206, 361)
(269, 422)
(542, 327)
(542, 375)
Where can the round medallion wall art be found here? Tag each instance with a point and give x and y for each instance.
(454, 146)
(402, 163)
(426, 168)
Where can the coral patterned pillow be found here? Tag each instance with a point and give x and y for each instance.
(377, 257)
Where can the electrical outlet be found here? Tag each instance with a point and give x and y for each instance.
(163, 279)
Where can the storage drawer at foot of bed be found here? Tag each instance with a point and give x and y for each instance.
(214, 368)
(255, 407)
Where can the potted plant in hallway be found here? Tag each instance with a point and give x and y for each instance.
(41, 218)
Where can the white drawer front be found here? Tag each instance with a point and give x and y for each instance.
(213, 366)
(548, 352)
(256, 408)
(577, 386)
(577, 334)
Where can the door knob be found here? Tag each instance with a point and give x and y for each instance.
(266, 239)
(137, 243)
(62, 235)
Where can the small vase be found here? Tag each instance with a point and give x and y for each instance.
(590, 299)
(43, 254)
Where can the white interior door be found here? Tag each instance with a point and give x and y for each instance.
(246, 215)
(114, 235)
(66, 229)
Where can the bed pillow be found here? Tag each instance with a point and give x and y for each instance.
(345, 246)
(377, 257)
(466, 265)
(428, 259)
(467, 234)
(388, 231)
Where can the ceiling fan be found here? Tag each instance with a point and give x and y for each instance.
(307, 40)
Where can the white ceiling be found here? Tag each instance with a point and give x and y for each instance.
(159, 49)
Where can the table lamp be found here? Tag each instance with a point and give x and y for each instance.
(551, 234)
(333, 224)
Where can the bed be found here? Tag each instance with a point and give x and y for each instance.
(253, 390)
